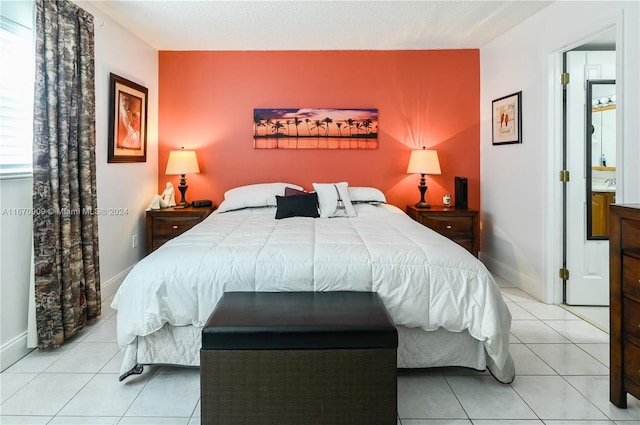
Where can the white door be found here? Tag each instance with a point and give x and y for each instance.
(587, 260)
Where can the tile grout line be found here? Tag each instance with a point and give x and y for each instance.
(535, 354)
(152, 372)
(457, 398)
(121, 419)
(588, 399)
(557, 372)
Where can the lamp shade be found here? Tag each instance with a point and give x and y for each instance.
(424, 162)
(182, 162)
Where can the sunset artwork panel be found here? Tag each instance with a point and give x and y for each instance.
(315, 128)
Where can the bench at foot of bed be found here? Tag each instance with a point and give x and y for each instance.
(299, 357)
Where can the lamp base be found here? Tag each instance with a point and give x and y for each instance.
(183, 190)
(423, 189)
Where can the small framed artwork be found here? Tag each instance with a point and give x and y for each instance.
(506, 119)
(127, 120)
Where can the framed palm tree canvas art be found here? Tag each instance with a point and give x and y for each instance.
(309, 128)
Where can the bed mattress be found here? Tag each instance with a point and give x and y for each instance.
(426, 282)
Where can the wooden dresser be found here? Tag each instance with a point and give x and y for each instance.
(624, 286)
(459, 225)
(167, 223)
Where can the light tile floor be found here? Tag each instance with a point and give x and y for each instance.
(597, 316)
(561, 367)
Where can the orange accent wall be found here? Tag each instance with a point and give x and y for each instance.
(424, 98)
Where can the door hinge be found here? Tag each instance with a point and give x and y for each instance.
(564, 78)
(564, 176)
(564, 274)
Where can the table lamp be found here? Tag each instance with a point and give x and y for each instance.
(180, 163)
(423, 162)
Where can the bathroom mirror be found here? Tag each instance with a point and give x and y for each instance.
(600, 155)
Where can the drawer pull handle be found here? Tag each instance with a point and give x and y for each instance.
(175, 227)
(448, 226)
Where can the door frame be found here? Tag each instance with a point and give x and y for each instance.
(554, 286)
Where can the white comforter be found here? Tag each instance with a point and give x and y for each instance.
(424, 279)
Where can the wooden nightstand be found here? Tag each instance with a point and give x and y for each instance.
(461, 226)
(167, 223)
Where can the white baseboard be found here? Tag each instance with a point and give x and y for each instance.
(109, 288)
(16, 348)
(513, 276)
(13, 350)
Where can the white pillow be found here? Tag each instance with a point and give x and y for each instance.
(369, 195)
(253, 196)
(328, 196)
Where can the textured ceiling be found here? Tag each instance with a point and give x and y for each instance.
(317, 25)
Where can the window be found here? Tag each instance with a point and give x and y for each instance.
(16, 98)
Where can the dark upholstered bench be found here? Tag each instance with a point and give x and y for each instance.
(299, 358)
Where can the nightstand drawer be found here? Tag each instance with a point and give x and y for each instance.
(165, 224)
(158, 242)
(465, 243)
(451, 227)
(459, 225)
(173, 226)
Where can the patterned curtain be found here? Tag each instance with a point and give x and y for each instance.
(65, 229)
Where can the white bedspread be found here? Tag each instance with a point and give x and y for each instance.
(425, 280)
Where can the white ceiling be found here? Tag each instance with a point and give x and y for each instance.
(317, 25)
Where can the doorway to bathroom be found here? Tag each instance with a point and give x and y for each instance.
(590, 157)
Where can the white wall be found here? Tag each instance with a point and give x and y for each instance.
(127, 186)
(15, 244)
(15, 267)
(520, 190)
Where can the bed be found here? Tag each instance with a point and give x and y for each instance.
(276, 237)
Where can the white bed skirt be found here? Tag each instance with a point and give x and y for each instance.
(180, 346)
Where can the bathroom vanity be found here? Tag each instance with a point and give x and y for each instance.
(600, 202)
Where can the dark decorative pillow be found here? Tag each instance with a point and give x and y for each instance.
(290, 191)
(297, 206)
